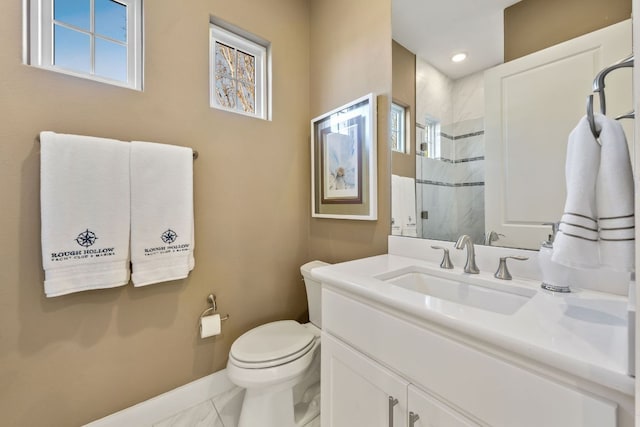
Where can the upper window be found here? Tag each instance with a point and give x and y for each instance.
(432, 145)
(96, 39)
(398, 128)
(238, 73)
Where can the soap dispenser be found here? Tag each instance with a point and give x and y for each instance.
(555, 277)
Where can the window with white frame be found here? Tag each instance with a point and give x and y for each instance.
(238, 73)
(432, 146)
(96, 39)
(398, 128)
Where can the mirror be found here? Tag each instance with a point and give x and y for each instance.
(485, 140)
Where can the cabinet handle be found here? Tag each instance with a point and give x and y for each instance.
(413, 417)
(392, 402)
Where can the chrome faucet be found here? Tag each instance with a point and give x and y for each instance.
(446, 261)
(503, 271)
(465, 241)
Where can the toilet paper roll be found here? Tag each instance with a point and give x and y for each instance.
(210, 326)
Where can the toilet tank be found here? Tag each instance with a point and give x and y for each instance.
(314, 292)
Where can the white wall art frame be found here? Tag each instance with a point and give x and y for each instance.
(344, 162)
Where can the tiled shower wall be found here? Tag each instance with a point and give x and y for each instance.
(450, 188)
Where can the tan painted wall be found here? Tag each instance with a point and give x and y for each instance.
(531, 25)
(68, 360)
(404, 92)
(351, 57)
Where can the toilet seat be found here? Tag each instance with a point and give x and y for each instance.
(272, 344)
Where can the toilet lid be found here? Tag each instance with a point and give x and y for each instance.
(272, 342)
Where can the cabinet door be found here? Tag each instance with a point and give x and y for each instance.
(357, 392)
(432, 413)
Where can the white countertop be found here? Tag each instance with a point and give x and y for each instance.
(583, 333)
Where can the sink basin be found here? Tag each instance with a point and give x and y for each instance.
(502, 299)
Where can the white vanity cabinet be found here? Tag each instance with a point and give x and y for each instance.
(371, 353)
(360, 392)
(357, 391)
(432, 413)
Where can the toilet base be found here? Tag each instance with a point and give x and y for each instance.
(295, 403)
(267, 408)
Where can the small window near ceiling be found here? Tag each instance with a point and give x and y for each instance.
(399, 118)
(432, 145)
(238, 74)
(96, 39)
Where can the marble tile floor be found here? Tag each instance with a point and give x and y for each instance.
(222, 410)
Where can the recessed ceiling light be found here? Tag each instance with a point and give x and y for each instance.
(459, 57)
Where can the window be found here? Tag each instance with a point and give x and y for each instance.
(238, 73)
(431, 146)
(399, 117)
(95, 39)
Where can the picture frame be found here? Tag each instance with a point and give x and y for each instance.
(343, 162)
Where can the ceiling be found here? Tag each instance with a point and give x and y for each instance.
(436, 29)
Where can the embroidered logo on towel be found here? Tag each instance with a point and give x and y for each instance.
(169, 236)
(86, 238)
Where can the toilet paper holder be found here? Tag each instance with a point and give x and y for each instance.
(213, 309)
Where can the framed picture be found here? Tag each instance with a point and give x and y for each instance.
(343, 162)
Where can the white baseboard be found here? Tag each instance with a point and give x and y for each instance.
(160, 407)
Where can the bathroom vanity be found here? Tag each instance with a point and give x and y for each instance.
(405, 343)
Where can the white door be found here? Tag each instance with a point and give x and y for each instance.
(357, 392)
(426, 411)
(532, 104)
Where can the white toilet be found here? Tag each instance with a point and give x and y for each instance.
(279, 365)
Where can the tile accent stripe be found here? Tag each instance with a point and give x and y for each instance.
(469, 135)
(446, 135)
(449, 184)
(470, 159)
(444, 159)
(457, 137)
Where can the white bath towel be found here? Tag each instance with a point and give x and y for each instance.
(408, 200)
(614, 198)
(396, 205)
(162, 227)
(576, 244)
(84, 194)
(403, 206)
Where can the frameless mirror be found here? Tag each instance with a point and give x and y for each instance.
(487, 138)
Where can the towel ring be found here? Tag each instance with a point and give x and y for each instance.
(591, 118)
(599, 84)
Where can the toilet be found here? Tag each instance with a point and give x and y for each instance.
(278, 364)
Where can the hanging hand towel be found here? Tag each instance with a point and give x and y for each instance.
(161, 212)
(614, 198)
(408, 200)
(84, 194)
(396, 205)
(403, 206)
(576, 244)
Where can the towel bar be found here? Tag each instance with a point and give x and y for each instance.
(195, 152)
